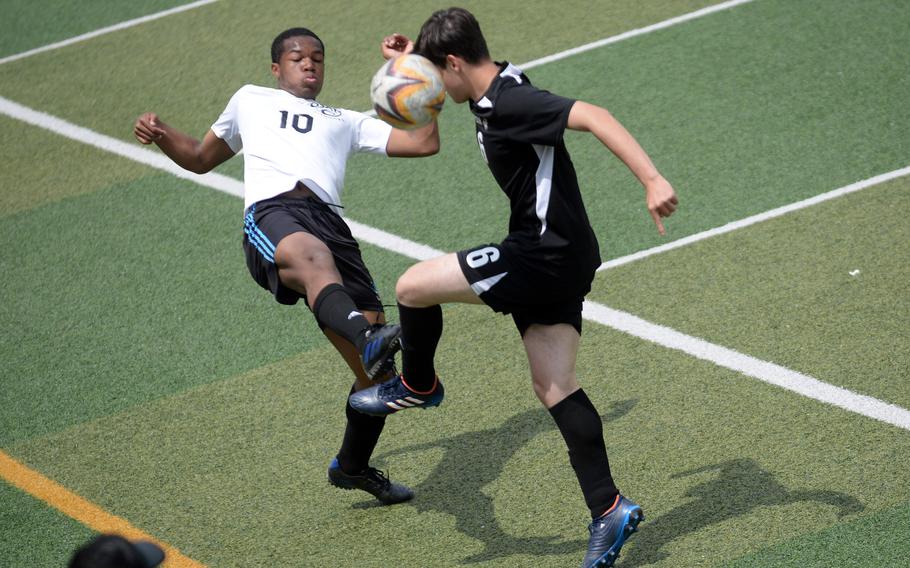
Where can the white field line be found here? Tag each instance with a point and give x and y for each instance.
(107, 30)
(634, 33)
(108, 144)
(770, 214)
(749, 366)
(621, 321)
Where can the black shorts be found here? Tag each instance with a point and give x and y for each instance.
(267, 222)
(531, 292)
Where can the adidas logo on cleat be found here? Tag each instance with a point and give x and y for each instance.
(392, 396)
(406, 402)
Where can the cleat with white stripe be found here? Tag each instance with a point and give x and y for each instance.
(392, 396)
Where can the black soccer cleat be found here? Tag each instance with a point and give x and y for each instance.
(610, 531)
(379, 348)
(387, 369)
(371, 480)
(392, 396)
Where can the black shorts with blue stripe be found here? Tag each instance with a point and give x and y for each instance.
(267, 222)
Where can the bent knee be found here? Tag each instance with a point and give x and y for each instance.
(407, 290)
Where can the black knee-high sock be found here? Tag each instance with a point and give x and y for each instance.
(582, 430)
(334, 309)
(360, 437)
(421, 329)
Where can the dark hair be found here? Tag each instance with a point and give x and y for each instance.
(107, 551)
(454, 31)
(278, 43)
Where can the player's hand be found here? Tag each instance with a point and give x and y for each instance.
(395, 45)
(148, 128)
(661, 201)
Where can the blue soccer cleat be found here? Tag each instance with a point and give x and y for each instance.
(392, 396)
(379, 348)
(609, 533)
(371, 480)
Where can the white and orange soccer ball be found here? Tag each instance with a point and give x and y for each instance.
(407, 91)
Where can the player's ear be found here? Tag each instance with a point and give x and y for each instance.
(276, 70)
(453, 63)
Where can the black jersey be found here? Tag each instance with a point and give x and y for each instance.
(520, 132)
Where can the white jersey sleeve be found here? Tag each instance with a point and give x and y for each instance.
(227, 127)
(372, 135)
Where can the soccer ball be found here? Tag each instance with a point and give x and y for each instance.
(407, 91)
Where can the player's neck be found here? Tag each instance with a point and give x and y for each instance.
(481, 76)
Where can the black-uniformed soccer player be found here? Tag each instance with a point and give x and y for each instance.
(540, 272)
(295, 241)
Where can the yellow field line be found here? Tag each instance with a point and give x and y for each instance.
(82, 510)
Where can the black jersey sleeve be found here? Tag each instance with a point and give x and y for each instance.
(532, 115)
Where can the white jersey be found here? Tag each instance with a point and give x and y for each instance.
(287, 139)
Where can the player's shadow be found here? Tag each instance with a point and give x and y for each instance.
(473, 460)
(739, 486)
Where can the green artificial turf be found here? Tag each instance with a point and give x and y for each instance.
(144, 370)
(233, 472)
(30, 25)
(821, 291)
(868, 542)
(33, 533)
(41, 167)
(129, 293)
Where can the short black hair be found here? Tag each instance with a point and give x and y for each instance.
(278, 43)
(453, 31)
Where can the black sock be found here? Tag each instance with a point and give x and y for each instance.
(421, 329)
(582, 430)
(360, 437)
(334, 309)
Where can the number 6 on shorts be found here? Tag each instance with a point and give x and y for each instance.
(481, 257)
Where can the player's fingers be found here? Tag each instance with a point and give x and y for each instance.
(658, 222)
(395, 41)
(145, 134)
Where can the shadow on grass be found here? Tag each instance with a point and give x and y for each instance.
(473, 460)
(739, 487)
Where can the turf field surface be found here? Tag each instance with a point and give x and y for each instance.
(147, 374)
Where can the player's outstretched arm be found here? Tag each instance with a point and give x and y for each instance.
(415, 143)
(659, 195)
(187, 152)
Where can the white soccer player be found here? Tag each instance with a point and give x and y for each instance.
(295, 241)
(542, 270)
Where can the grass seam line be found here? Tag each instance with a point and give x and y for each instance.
(758, 218)
(82, 510)
(103, 31)
(765, 371)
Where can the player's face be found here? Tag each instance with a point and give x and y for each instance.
(301, 68)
